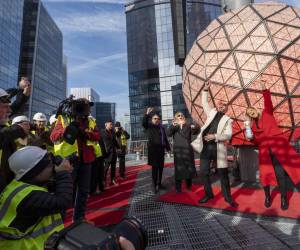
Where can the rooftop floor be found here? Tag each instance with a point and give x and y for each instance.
(175, 226)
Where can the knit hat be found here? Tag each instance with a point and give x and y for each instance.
(25, 159)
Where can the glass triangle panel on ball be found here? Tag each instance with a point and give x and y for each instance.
(282, 115)
(265, 9)
(293, 51)
(284, 16)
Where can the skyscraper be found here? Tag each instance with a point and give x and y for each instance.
(42, 59)
(105, 111)
(151, 60)
(11, 13)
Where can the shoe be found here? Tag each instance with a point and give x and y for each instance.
(205, 199)
(178, 190)
(268, 201)
(231, 202)
(162, 187)
(113, 182)
(284, 203)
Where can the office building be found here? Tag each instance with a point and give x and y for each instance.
(151, 60)
(65, 71)
(125, 122)
(42, 59)
(105, 111)
(88, 93)
(11, 13)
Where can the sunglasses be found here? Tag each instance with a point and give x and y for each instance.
(180, 116)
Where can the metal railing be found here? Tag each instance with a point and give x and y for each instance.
(138, 150)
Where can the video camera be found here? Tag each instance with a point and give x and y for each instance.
(83, 235)
(74, 107)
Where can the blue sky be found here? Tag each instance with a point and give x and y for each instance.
(95, 44)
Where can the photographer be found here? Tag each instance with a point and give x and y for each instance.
(8, 134)
(76, 133)
(29, 213)
(121, 136)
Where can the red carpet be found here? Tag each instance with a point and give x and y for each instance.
(249, 201)
(109, 207)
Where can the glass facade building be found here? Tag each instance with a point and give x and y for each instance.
(105, 111)
(42, 59)
(11, 19)
(151, 60)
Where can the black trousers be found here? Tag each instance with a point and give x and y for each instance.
(209, 154)
(281, 176)
(179, 182)
(122, 165)
(112, 165)
(157, 172)
(97, 177)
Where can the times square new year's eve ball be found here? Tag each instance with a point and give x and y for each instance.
(235, 51)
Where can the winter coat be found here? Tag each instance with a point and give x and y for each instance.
(268, 136)
(183, 152)
(156, 150)
(223, 135)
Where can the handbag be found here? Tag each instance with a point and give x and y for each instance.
(196, 144)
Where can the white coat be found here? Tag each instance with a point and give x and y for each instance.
(224, 131)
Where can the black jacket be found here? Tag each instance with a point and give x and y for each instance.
(183, 152)
(8, 135)
(111, 144)
(156, 149)
(39, 204)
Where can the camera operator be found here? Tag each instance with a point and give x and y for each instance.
(76, 133)
(41, 132)
(8, 134)
(122, 136)
(29, 213)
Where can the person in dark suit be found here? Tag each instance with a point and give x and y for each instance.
(111, 146)
(184, 161)
(97, 177)
(157, 145)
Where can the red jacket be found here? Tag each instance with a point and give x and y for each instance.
(86, 153)
(268, 136)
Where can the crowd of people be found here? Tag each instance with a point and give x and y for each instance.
(47, 167)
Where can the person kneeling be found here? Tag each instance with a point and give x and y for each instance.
(29, 213)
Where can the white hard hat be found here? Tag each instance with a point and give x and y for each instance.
(18, 119)
(40, 117)
(52, 119)
(32, 156)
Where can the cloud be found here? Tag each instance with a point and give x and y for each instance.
(112, 21)
(98, 61)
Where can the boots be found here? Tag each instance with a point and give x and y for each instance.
(284, 203)
(267, 197)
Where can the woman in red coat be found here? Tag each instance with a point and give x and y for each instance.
(277, 158)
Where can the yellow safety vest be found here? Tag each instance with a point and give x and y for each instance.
(123, 140)
(35, 236)
(64, 149)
